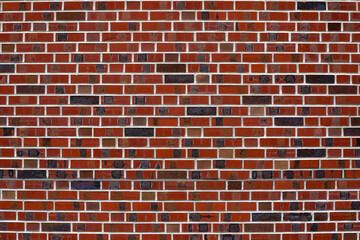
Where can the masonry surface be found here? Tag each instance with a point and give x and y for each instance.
(179, 120)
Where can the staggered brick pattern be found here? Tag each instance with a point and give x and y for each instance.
(179, 120)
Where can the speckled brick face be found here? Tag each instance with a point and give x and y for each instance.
(179, 120)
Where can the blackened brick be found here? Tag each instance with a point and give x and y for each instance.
(78, 58)
(355, 205)
(294, 206)
(267, 174)
(84, 100)
(31, 174)
(195, 174)
(220, 142)
(101, 6)
(108, 99)
(143, 132)
(188, 142)
(257, 100)
(142, 57)
(28, 89)
(314, 227)
(140, 100)
(266, 217)
(123, 58)
(220, 163)
(62, 37)
(59, 90)
(116, 174)
(8, 131)
(179, 78)
(52, 163)
(82, 185)
(290, 79)
(233, 227)
(311, 5)
(320, 79)
(305, 89)
(226, 111)
(351, 131)
(146, 185)
(201, 111)
(194, 153)
(54, 6)
(86, 5)
(289, 121)
(311, 153)
(203, 227)
(205, 15)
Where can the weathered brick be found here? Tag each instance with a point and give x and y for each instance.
(289, 122)
(84, 100)
(297, 217)
(28, 89)
(179, 78)
(144, 132)
(31, 174)
(201, 111)
(7, 68)
(55, 227)
(266, 217)
(351, 131)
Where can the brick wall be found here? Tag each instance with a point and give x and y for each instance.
(179, 120)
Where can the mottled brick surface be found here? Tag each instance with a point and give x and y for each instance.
(179, 120)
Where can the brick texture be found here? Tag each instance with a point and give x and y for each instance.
(179, 120)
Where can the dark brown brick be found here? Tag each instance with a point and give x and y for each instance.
(70, 16)
(334, 27)
(320, 79)
(234, 185)
(251, 227)
(338, 89)
(171, 68)
(311, 153)
(266, 217)
(256, 100)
